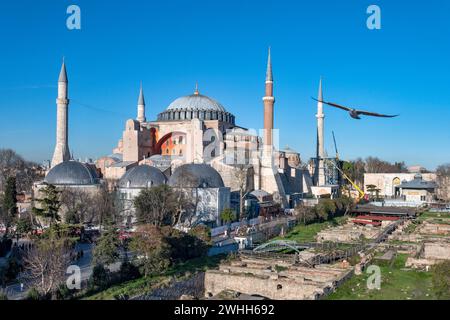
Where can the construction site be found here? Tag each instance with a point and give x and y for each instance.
(286, 269)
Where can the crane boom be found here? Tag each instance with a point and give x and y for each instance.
(361, 192)
(335, 146)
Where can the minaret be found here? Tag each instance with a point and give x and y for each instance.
(62, 117)
(269, 178)
(269, 101)
(141, 106)
(320, 143)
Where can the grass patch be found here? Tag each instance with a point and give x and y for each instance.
(307, 233)
(397, 283)
(411, 228)
(145, 284)
(434, 215)
(129, 288)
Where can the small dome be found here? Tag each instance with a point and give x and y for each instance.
(418, 176)
(196, 175)
(196, 102)
(289, 150)
(143, 176)
(260, 193)
(71, 173)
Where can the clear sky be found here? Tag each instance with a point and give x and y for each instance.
(169, 45)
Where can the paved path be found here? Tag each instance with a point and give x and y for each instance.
(85, 262)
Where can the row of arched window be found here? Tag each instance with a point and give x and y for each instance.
(196, 114)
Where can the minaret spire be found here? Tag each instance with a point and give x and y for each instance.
(141, 106)
(320, 175)
(269, 102)
(63, 73)
(320, 95)
(62, 152)
(269, 75)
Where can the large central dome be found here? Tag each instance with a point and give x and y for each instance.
(196, 102)
(196, 106)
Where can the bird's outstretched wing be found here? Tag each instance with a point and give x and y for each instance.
(334, 105)
(373, 114)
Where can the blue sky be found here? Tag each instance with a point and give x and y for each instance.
(169, 45)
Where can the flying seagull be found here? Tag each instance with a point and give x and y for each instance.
(354, 113)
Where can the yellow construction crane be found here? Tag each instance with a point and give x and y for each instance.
(361, 192)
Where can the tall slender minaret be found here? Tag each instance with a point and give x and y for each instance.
(269, 178)
(62, 119)
(269, 101)
(320, 169)
(141, 106)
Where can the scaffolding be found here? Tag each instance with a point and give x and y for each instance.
(332, 174)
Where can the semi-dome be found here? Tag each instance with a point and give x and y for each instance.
(196, 175)
(143, 176)
(196, 106)
(72, 173)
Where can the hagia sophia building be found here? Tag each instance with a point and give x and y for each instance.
(193, 144)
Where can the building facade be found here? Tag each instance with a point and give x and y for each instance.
(199, 129)
(389, 183)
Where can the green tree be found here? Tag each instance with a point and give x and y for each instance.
(186, 246)
(325, 209)
(49, 205)
(354, 170)
(156, 205)
(9, 203)
(153, 250)
(107, 248)
(305, 214)
(23, 226)
(100, 278)
(227, 216)
(201, 232)
(441, 280)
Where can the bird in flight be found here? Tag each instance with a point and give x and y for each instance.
(354, 113)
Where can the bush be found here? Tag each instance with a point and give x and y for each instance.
(325, 209)
(3, 296)
(441, 280)
(121, 296)
(305, 215)
(128, 271)
(201, 232)
(227, 216)
(186, 246)
(153, 249)
(329, 208)
(100, 278)
(64, 293)
(23, 225)
(33, 294)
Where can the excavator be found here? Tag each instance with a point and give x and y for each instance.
(362, 195)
